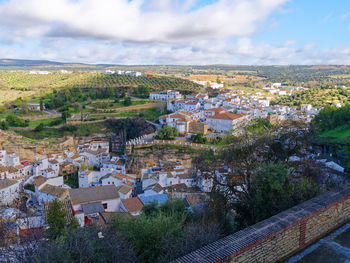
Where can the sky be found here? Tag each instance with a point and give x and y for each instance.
(177, 32)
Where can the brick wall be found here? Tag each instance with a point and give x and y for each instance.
(282, 235)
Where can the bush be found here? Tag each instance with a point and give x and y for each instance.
(3, 125)
(39, 128)
(163, 233)
(198, 138)
(14, 121)
(29, 187)
(167, 133)
(127, 101)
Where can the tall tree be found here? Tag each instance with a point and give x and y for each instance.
(56, 219)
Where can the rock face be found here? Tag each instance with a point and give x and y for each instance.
(27, 150)
(147, 156)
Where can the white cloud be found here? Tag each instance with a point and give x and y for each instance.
(142, 21)
(150, 32)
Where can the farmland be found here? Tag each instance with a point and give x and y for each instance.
(23, 85)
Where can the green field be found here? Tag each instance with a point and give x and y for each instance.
(46, 122)
(76, 130)
(119, 104)
(339, 132)
(149, 114)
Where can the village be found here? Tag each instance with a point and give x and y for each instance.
(104, 184)
(228, 112)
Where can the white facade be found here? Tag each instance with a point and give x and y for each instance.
(8, 193)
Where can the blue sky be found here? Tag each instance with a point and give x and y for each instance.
(177, 31)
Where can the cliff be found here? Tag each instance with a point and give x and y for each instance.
(143, 157)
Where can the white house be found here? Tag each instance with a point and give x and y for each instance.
(114, 165)
(9, 190)
(225, 122)
(90, 178)
(50, 192)
(165, 95)
(118, 179)
(124, 191)
(93, 158)
(88, 201)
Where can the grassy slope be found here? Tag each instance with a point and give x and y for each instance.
(339, 132)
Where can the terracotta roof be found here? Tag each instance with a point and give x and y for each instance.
(132, 204)
(226, 116)
(191, 102)
(56, 191)
(179, 116)
(76, 156)
(124, 176)
(124, 189)
(194, 199)
(214, 109)
(157, 188)
(39, 180)
(6, 183)
(91, 195)
(163, 117)
(92, 152)
(12, 169)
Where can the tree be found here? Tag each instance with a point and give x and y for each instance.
(163, 233)
(110, 144)
(15, 121)
(65, 115)
(76, 245)
(167, 133)
(198, 138)
(272, 192)
(39, 128)
(127, 101)
(56, 219)
(142, 91)
(3, 125)
(41, 105)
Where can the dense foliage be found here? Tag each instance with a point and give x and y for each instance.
(258, 182)
(167, 133)
(15, 121)
(163, 233)
(198, 138)
(331, 117)
(316, 96)
(130, 128)
(273, 190)
(160, 234)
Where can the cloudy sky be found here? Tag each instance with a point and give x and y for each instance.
(177, 31)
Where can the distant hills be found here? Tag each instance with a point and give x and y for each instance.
(335, 74)
(26, 63)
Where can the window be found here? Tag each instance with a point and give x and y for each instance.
(104, 206)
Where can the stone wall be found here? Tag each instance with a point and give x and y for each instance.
(282, 235)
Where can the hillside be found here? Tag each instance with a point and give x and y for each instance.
(317, 97)
(21, 84)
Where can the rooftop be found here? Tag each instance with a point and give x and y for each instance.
(133, 204)
(91, 195)
(6, 183)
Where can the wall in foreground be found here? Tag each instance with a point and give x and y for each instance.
(282, 235)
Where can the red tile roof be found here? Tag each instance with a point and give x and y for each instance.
(132, 204)
(226, 116)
